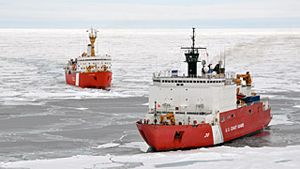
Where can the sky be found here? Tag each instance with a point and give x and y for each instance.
(150, 13)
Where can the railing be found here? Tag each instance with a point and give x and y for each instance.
(168, 74)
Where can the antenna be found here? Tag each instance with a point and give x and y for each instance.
(224, 59)
(193, 39)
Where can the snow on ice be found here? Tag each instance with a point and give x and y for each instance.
(222, 157)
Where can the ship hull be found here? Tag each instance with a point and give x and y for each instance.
(236, 123)
(101, 80)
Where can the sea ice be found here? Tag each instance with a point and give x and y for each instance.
(222, 157)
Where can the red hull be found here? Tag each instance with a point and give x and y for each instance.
(163, 137)
(100, 80)
(236, 123)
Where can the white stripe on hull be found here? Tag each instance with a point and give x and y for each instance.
(217, 134)
(77, 79)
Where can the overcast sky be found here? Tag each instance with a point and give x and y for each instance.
(149, 13)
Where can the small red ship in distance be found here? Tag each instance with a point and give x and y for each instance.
(90, 70)
(201, 110)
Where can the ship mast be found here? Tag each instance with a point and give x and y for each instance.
(191, 56)
(92, 36)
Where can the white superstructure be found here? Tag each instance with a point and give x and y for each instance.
(94, 64)
(89, 61)
(195, 98)
(192, 98)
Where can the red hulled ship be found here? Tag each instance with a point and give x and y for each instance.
(201, 109)
(89, 70)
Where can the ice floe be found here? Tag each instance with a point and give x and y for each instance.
(222, 157)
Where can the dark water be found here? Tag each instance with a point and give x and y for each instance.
(58, 129)
(63, 128)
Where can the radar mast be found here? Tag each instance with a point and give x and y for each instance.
(191, 57)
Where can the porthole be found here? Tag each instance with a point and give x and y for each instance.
(222, 119)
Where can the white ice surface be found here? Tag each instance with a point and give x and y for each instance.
(221, 157)
(82, 108)
(297, 106)
(140, 145)
(107, 145)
